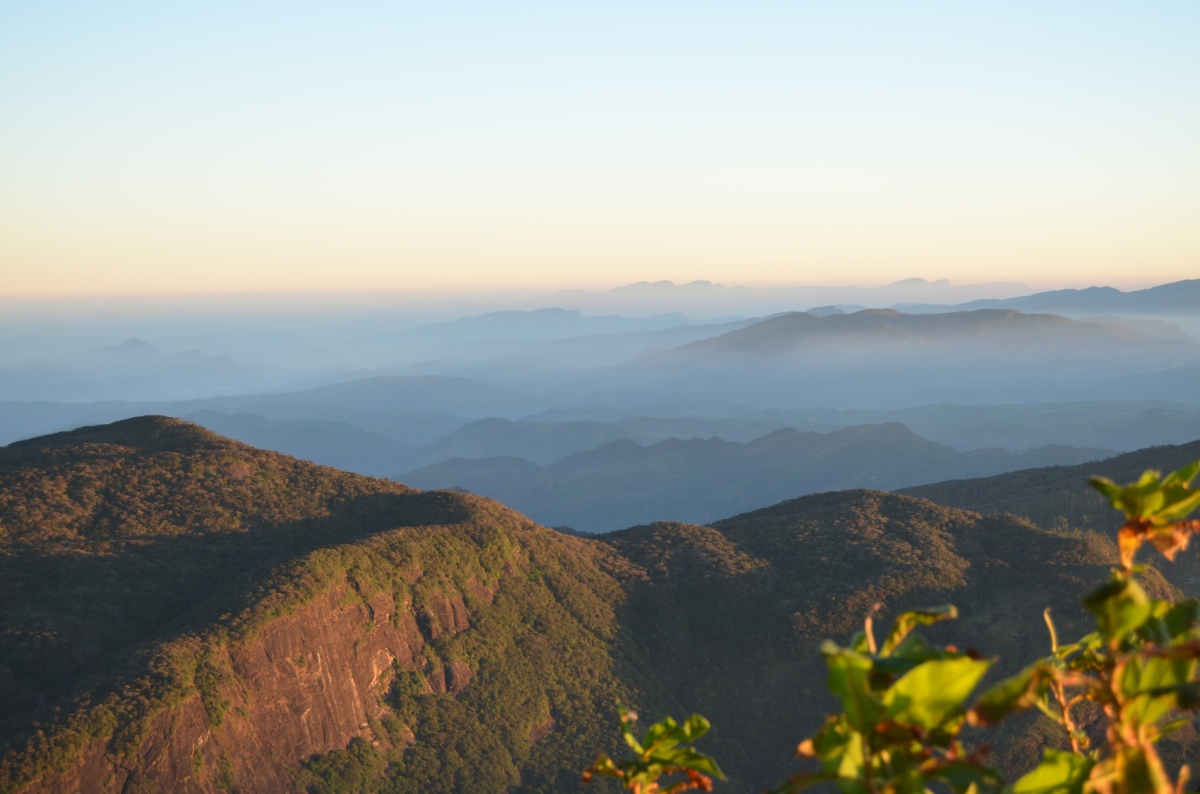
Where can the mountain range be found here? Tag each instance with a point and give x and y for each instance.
(182, 612)
(132, 369)
(700, 480)
(887, 359)
(1176, 298)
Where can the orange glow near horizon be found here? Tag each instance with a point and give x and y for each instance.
(226, 149)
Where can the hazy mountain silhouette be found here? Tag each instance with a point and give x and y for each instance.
(338, 444)
(699, 480)
(880, 327)
(544, 442)
(132, 370)
(1104, 424)
(1179, 297)
(458, 396)
(886, 359)
(706, 299)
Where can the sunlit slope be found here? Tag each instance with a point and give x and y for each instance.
(182, 612)
(190, 613)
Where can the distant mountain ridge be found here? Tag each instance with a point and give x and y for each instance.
(1179, 297)
(889, 327)
(454, 395)
(703, 298)
(699, 480)
(881, 358)
(133, 368)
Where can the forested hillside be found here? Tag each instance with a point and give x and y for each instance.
(186, 613)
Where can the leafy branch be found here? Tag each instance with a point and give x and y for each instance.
(663, 751)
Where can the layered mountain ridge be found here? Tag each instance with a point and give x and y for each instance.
(700, 480)
(183, 612)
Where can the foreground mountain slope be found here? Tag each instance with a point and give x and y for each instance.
(186, 612)
(700, 480)
(727, 618)
(181, 612)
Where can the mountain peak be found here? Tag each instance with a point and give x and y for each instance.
(140, 432)
(920, 282)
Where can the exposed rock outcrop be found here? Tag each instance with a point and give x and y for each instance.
(306, 684)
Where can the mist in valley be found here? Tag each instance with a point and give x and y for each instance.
(644, 402)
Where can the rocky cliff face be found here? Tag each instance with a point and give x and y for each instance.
(309, 682)
(306, 684)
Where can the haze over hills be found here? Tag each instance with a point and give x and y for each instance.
(887, 329)
(706, 299)
(132, 369)
(699, 480)
(886, 359)
(384, 441)
(1180, 298)
(970, 380)
(186, 611)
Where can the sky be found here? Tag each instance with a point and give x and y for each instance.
(231, 146)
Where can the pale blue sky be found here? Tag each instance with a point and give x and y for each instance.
(246, 146)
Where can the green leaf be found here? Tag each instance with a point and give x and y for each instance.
(933, 692)
(962, 775)
(1144, 674)
(1183, 476)
(839, 747)
(1149, 479)
(1120, 606)
(1179, 504)
(1058, 773)
(907, 621)
(1013, 694)
(1110, 489)
(690, 758)
(695, 727)
(849, 679)
(1151, 502)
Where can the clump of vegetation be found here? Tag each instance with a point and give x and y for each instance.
(904, 708)
(664, 750)
(905, 702)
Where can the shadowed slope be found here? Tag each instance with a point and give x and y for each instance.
(727, 619)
